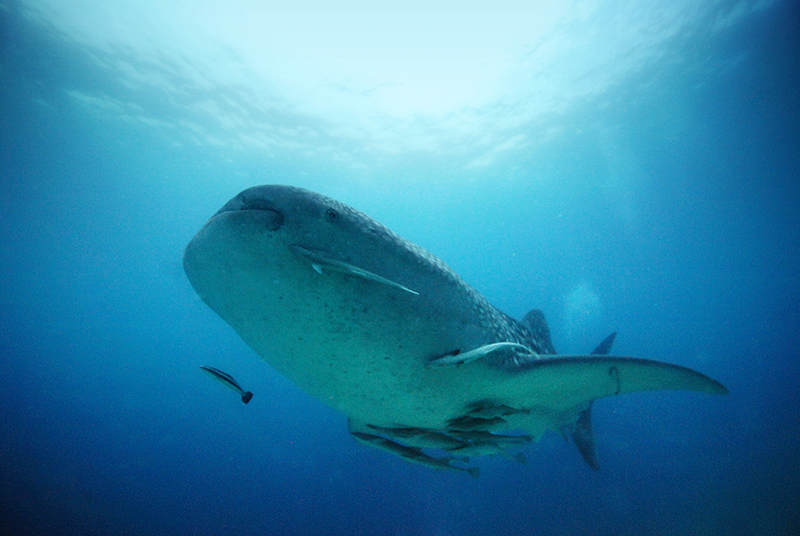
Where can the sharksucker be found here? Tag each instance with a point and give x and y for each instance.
(319, 261)
(387, 333)
(228, 381)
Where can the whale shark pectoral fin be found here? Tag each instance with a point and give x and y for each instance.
(573, 381)
(567, 384)
(459, 358)
(320, 262)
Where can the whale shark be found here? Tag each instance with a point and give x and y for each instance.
(387, 333)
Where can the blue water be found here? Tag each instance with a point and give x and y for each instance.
(666, 208)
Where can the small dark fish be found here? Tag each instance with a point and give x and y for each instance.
(505, 441)
(228, 381)
(487, 410)
(420, 437)
(412, 454)
(466, 423)
(485, 448)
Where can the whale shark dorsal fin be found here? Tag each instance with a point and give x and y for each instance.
(535, 323)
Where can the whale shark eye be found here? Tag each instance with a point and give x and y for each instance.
(331, 215)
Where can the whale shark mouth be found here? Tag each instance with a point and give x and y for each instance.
(320, 262)
(264, 212)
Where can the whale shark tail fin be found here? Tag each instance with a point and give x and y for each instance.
(605, 345)
(582, 435)
(583, 438)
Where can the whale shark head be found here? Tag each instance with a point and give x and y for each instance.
(306, 219)
(269, 221)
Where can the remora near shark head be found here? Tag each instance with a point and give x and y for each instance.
(387, 333)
